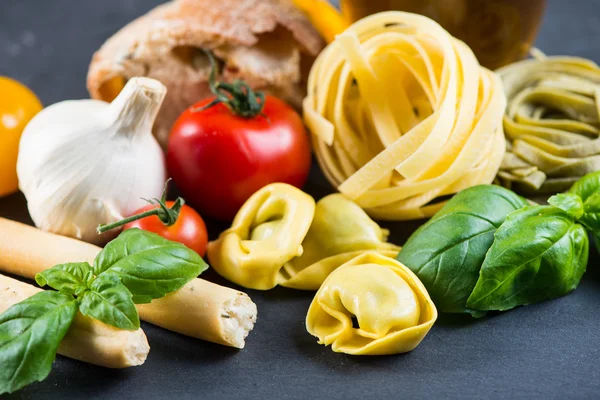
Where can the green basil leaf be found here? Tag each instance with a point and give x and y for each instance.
(591, 213)
(109, 301)
(588, 189)
(539, 253)
(148, 265)
(30, 333)
(586, 186)
(447, 252)
(568, 202)
(71, 278)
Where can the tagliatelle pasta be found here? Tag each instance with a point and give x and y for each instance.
(552, 123)
(402, 114)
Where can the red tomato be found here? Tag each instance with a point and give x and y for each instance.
(219, 159)
(189, 228)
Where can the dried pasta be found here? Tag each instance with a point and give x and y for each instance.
(391, 308)
(402, 114)
(552, 123)
(280, 237)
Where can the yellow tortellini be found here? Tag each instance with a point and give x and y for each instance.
(266, 233)
(280, 237)
(340, 231)
(371, 305)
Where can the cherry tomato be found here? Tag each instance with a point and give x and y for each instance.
(18, 105)
(219, 159)
(189, 229)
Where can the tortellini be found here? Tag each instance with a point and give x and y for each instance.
(266, 233)
(372, 305)
(280, 237)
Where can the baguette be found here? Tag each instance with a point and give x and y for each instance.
(200, 309)
(268, 43)
(87, 340)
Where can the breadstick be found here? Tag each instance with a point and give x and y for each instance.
(204, 310)
(200, 309)
(87, 340)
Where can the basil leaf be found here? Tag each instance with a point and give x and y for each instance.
(148, 265)
(447, 252)
(586, 186)
(568, 202)
(591, 213)
(588, 189)
(109, 301)
(30, 333)
(72, 278)
(539, 253)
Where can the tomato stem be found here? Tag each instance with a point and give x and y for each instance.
(166, 215)
(237, 96)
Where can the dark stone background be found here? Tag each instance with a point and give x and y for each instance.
(549, 350)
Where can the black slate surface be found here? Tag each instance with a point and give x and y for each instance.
(549, 350)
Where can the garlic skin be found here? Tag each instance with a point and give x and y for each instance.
(83, 163)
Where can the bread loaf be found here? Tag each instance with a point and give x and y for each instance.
(268, 43)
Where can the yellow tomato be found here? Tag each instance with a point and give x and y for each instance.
(18, 105)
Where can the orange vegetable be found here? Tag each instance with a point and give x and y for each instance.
(326, 19)
(18, 105)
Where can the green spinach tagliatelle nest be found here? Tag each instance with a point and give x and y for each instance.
(552, 123)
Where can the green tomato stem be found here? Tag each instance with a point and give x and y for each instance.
(237, 96)
(167, 216)
(107, 227)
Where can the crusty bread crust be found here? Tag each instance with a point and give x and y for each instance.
(262, 41)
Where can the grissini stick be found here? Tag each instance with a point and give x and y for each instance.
(200, 309)
(87, 340)
(204, 310)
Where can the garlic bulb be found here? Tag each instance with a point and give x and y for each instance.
(87, 162)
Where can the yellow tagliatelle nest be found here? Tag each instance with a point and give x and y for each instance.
(402, 113)
(390, 306)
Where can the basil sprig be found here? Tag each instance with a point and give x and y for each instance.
(167, 265)
(72, 278)
(109, 301)
(102, 297)
(135, 268)
(539, 253)
(487, 250)
(447, 252)
(588, 190)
